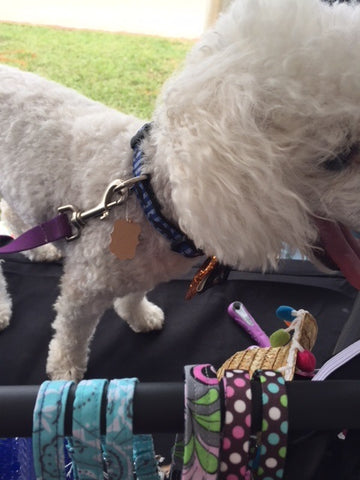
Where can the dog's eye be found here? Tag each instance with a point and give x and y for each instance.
(342, 160)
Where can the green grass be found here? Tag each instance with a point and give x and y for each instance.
(123, 71)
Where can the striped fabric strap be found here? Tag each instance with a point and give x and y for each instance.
(48, 429)
(202, 423)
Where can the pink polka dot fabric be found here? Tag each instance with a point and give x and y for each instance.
(237, 426)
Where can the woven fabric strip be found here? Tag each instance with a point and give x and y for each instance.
(180, 243)
(145, 464)
(237, 426)
(202, 423)
(86, 441)
(48, 429)
(273, 443)
(119, 429)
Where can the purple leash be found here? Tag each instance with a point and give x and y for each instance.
(70, 221)
(55, 229)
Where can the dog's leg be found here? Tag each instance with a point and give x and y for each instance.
(139, 313)
(78, 312)
(5, 303)
(15, 226)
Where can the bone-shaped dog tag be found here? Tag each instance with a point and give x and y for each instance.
(124, 239)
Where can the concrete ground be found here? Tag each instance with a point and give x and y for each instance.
(168, 18)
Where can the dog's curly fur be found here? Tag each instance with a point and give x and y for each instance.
(246, 148)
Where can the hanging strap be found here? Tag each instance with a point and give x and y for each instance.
(87, 450)
(237, 426)
(48, 430)
(119, 433)
(145, 464)
(202, 423)
(271, 443)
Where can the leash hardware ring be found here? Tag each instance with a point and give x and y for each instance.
(78, 218)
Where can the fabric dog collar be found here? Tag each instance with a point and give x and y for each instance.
(202, 436)
(48, 429)
(237, 426)
(119, 434)
(87, 453)
(124, 451)
(117, 455)
(180, 243)
(271, 445)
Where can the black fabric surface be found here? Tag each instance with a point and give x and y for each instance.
(196, 331)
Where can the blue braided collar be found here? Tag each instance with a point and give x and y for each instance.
(180, 243)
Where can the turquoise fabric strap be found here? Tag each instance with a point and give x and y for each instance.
(48, 430)
(145, 464)
(125, 452)
(117, 456)
(119, 433)
(86, 445)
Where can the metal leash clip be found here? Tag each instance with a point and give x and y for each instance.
(119, 188)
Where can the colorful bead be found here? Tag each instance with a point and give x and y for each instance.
(285, 312)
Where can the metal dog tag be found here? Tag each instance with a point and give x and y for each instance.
(124, 239)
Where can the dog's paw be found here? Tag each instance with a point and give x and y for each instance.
(59, 366)
(143, 317)
(45, 253)
(74, 374)
(151, 319)
(5, 314)
(4, 319)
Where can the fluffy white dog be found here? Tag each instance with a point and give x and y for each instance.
(252, 145)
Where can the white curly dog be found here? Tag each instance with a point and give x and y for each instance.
(252, 145)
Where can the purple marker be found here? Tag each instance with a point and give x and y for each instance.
(238, 312)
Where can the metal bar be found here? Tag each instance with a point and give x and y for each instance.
(159, 407)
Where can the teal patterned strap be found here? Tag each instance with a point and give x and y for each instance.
(48, 430)
(125, 452)
(202, 423)
(119, 432)
(86, 445)
(145, 464)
